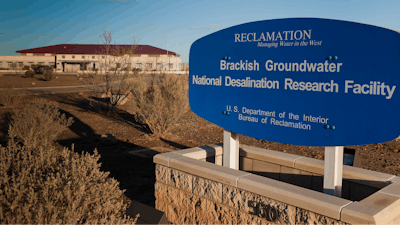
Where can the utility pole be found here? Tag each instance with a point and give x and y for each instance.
(185, 58)
(167, 57)
(177, 49)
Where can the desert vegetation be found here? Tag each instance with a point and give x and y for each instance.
(160, 104)
(109, 82)
(40, 183)
(10, 95)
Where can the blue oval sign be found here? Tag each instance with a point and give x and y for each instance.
(314, 82)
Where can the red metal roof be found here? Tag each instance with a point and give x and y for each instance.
(93, 49)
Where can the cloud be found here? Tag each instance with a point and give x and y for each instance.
(115, 1)
(207, 27)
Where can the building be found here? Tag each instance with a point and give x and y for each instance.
(75, 57)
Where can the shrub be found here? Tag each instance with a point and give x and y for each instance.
(29, 73)
(49, 75)
(160, 104)
(10, 95)
(49, 186)
(38, 123)
(26, 67)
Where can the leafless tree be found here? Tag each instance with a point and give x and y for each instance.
(109, 81)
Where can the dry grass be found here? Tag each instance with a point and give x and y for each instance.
(38, 123)
(161, 104)
(40, 184)
(10, 95)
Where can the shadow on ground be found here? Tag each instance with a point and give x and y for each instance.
(135, 174)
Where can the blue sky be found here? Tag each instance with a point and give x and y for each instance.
(37, 23)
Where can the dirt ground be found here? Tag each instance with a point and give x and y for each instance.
(136, 174)
(20, 81)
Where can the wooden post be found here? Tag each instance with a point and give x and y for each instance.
(231, 150)
(333, 170)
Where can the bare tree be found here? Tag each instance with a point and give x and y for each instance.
(109, 81)
(14, 66)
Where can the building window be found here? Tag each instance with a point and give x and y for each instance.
(41, 63)
(118, 65)
(73, 66)
(129, 65)
(63, 56)
(154, 55)
(93, 57)
(102, 65)
(20, 64)
(1, 64)
(103, 57)
(83, 57)
(159, 65)
(138, 65)
(170, 66)
(30, 64)
(137, 55)
(149, 65)
(9, 64)
(38, 54)
(52, 64)
(73, 57)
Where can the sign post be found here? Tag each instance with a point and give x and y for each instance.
(299, 81)
(333, 171)
(230, 156)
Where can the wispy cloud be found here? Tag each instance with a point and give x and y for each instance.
(207, 27)
(115, 1)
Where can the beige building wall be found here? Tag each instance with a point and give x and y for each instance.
(5, 60)
(69, 62)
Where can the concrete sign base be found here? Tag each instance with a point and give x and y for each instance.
(192, 186)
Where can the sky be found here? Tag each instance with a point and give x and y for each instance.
(171, 24)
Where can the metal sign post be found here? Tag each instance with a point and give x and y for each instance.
(333, 170)
(230, 156)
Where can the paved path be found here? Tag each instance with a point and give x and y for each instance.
(53, 90)
(65, 89)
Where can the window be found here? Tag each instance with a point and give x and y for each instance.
(129, 65)
(138, 65)
(170, 66)
(52, 64)
(93, 57)
(73, 66)
(83, 57)
(63, 56)
(102, 65)
(1, 64)
(9, 64)
(137, 55)
(159, 65)
(154, 55)
(30, 64)
(118, 65)
(41, 63)
(73, 57)
(149, 65)
(20, 64)
(103, 57)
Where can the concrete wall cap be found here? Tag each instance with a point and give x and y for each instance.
(207, 170)
(164, 158)
(379, 208)
(284, 159)
(293, 195)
